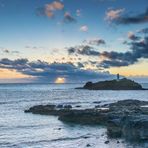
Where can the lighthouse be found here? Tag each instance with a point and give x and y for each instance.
(118, 77)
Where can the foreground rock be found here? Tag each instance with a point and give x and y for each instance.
(122, 84)
(127, 118)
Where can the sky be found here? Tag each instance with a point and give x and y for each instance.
(70, 41)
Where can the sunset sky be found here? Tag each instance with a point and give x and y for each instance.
(65, 41)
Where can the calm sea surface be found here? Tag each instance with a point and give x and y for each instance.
(20, 130)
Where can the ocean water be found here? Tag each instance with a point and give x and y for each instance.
(21, 130)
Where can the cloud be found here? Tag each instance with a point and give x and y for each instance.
(138, 49)
(84, 28)
(34, 47)
(57, 5)
(116, 59)
(132, 19)
(113, 14)
(145, 31)
(83, 50)
(44, 72)
(68, 18)
(78, 12)
(50, 9)
(95, 41)
(7, 51)
(132, 36)
(87, 49)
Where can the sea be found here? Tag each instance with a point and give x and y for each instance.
(26, 130)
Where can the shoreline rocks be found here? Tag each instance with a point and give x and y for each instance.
(127, 118)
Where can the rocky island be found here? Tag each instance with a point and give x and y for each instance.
(122, 84)
(127, 119)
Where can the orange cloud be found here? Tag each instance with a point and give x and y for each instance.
(51, 7)
(58, 5)
(113, 14)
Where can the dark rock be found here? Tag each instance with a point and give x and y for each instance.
(86, 137)
(87, 116)
(88, 145)
(127, 118)
(135, 128)
(97, 106)
(118, 141)
(114, 129)
(67, 106)
(51, 106)
(106, 142)
(59, 106)
(97, 102)
(78, 106)
(42, 109)
(132, 127)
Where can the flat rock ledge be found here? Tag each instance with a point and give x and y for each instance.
(124, 119)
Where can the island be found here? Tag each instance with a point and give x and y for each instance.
(119, 84)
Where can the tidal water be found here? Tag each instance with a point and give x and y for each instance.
(21, 130)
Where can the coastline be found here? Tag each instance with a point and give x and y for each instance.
(127, 118)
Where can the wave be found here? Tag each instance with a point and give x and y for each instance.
(29, 143)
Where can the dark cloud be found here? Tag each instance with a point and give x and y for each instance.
(87, 48)
(97, 41)
(113, 63)
(68, 18)
(115, 59)
(44, 72)
(136, 19)
(4, 50)
(80, 65)
(7, 51)
(34, 47)
(138, 49)
(83, 50)
(132, 36)
(145, 31)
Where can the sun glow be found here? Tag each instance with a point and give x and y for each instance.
(60, 80)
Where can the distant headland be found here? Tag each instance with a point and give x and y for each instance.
(116, 84)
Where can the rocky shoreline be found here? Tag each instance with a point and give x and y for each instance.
(126, 119)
